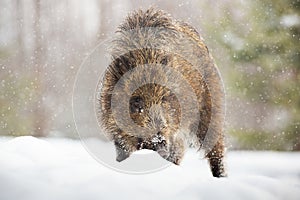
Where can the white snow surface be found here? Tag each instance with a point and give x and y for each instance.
(61, 169)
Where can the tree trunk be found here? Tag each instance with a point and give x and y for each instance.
(39, 107)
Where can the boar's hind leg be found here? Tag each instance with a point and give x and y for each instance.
(215, 159)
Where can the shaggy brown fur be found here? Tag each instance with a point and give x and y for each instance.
(158, 64)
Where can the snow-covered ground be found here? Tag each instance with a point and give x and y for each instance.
(60, 169)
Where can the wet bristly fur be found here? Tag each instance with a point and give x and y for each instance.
(157, 45)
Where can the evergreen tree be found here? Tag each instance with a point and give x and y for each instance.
(264, 46)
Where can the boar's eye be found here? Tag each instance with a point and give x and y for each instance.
(136, 104)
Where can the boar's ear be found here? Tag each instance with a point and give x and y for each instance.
(121, 154)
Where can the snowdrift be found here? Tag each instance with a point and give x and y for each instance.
(61, 169)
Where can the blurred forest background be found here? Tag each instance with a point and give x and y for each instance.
(256, 45)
